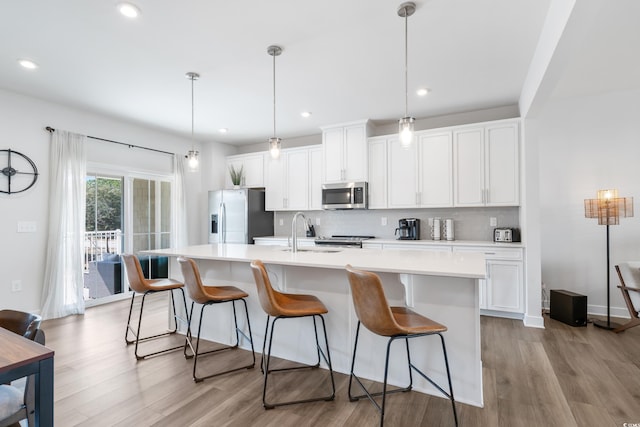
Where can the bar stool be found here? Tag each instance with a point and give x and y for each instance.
(280, 305)
(206, 296)
(139, 284)
(374, 312)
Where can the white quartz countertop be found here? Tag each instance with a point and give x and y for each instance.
(483, 243)
(466, 264)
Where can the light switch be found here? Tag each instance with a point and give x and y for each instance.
(27, 227)
(383, 221)
(493, 221)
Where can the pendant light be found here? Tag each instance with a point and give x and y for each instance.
(192, 155)
(406, 123)
(275, 143)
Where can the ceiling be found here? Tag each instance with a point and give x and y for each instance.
(341, 60)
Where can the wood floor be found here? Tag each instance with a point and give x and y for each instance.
(560, 376)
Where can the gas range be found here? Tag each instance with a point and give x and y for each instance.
(342, 241)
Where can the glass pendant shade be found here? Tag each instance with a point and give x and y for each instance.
(192, 160)
(405, 130)
(274, 147)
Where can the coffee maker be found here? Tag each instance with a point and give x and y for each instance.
(408, 229)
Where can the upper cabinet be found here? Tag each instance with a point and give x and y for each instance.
(378, 172)
(345, 152)
(293, 180)
(421, 175)
(486, 165)
(252, 166)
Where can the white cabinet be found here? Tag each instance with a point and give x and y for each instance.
(293, 180)
(345, 152)
(502, 292)
(377, 172)
(252, 166)
(421, 175)
(486, 165)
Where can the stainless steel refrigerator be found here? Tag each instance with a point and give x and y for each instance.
(237, 216)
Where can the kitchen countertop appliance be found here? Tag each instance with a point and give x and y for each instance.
(237, 216)
(342, 241)
(408, 229)
(506, 235)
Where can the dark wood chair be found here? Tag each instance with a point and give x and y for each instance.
(139, 284)
(17, 404)
(629, 275)
(279, 305)
(373, 310)
(206, 296)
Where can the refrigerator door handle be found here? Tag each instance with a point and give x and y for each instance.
(223, 223)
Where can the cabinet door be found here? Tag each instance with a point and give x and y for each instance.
(333, 147)
(274, 185)
(355, 153)
(403, 173)
(435, 170)
(315, 179)
(468, 157)
(502, 174)
(297, 180)
(377, 173)
(253, 171)
(504, 286)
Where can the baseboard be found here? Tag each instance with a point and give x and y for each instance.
(533, 321)
(601, 310)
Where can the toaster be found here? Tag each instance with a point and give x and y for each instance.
(506, 235)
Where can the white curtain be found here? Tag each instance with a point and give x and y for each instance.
(63, 276)
(180, 218)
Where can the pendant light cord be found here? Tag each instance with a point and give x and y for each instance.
(406, 61)
(274, 94)
(192, 112)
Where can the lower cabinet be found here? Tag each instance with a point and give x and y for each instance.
(502, 292)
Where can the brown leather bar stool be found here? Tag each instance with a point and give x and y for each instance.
(139, 284)
(279, 305)
(374, 312)
(206, 296)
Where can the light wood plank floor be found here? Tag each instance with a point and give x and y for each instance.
(561, 376)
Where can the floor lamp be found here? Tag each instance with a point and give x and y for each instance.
(608, 208)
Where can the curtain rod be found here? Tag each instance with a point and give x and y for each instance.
(50, 129)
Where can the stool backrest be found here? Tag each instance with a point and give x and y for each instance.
(137, 281)
(269, 297)
(192, 280)
(370, 303)
(21, 323)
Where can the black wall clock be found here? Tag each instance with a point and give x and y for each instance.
(19, 172)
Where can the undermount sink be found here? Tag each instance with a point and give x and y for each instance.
(319, 251)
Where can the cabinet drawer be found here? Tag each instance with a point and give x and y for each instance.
(492, 252)
(417, 247)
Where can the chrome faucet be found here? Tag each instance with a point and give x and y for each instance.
(294, 238)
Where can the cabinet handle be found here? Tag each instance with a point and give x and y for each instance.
(489, 253)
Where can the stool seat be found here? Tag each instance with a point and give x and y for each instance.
(298, 305)
(158, 285)
(221, 293)
(409, 322)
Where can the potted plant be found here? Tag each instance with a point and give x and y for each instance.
(236, 175)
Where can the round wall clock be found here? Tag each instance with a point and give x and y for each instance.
(19, 172)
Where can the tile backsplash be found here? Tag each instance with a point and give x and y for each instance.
(469, 223)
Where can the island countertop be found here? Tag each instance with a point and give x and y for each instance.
(468, 264)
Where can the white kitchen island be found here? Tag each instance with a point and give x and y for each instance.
(442, 286)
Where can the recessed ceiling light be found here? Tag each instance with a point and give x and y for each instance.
(223, 130)
(28, 64)
(306, 114)
(423, 91)
(129, 10)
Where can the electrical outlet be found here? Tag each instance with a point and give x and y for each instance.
(317, 220)
(281, 222)
(383, 221)
(16, 285)
(493, 221)
(27, 227)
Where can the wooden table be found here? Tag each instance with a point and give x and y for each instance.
(20, 357)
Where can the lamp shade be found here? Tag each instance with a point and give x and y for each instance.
(608, 207)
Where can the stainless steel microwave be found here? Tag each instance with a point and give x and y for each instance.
(345, 195)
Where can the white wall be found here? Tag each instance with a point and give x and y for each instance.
(586, 144)
(22, 255)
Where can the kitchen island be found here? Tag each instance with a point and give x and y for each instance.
(442, 286)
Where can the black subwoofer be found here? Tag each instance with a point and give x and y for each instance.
(568, 307)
